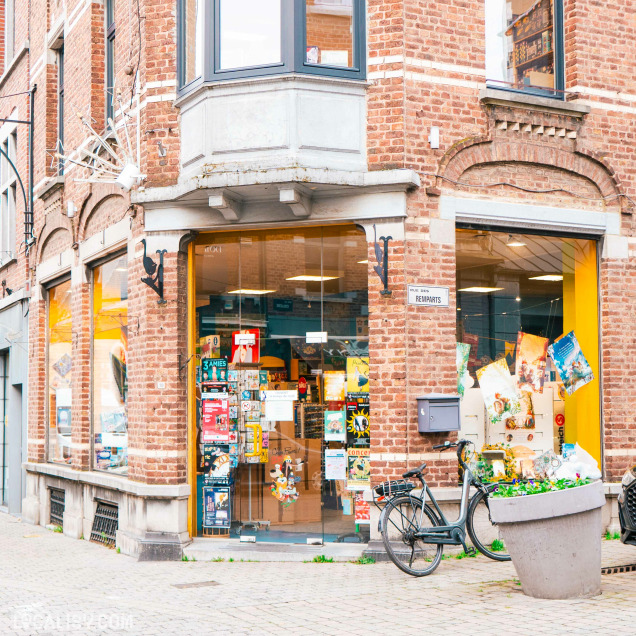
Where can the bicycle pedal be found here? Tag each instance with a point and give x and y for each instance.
(471, 551)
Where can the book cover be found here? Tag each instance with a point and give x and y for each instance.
(532, 353)
(499, 391)
(572, 366)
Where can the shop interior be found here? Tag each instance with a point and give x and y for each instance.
(282, 415)
(518, 296)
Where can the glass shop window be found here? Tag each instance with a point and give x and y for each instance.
(524, 45)
(110, 384)
(59, 365)
(527, 345)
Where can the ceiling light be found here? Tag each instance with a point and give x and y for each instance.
(312, 278)
(549, 277)
(480, 290)
(514, 241)
(252, 292)
(364, 262)
(518, 299)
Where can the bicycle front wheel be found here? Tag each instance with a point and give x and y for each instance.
(402, 518)
(482, 531)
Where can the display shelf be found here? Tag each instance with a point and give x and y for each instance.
(532, 60)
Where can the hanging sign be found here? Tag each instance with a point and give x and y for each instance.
(428, 296)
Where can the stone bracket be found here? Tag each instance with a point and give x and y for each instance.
(299, 203)
(230, 208)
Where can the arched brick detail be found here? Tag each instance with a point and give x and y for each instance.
(104, 212)
(57, 241)
(472, 152)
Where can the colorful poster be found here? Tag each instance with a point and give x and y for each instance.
(463, 377)
(574, 370)
(216, 507)
(284, 482)
(210, 346)
(214, 370)
(358, 468)
(335, 426)
(335, 463)
(252, 380)
(362, 509)
(216, 462)
(499, 391)
(215, 420)
(357, 375)
(246, 349)
(532, 352)
(525, 418)
(358, 425)
(334, 386)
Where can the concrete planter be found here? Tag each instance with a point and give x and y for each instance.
(554, 540)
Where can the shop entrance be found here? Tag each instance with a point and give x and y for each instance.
(282, 415)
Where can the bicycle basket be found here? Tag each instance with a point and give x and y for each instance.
(393, 488)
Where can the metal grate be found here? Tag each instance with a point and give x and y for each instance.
(105, 524)
(619, 569)
(56, 517)
(630, 500)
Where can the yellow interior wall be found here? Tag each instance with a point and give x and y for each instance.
(191, 370)
(580, 314)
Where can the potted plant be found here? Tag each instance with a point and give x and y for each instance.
(552, 530)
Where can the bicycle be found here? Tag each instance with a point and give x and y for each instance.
(414, 534)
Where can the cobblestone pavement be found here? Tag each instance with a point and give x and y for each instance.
(51, 584)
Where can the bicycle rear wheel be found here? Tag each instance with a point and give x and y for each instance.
(482, 531)
(401, 519)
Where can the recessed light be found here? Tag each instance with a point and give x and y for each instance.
(548, 277)
(312, 279)
(252, 292)
(480, 290)
(364, 262)
(518, 299)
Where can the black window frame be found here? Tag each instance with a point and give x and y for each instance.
(109, 59)
(558, 92)
(293, 47)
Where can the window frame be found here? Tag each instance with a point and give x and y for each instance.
(60, 107)
(91, 268)
(8, 179)
(47, 287)
(293, 47)
(558, 92)
(109, 60)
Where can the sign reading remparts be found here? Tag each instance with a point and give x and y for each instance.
(428, 296)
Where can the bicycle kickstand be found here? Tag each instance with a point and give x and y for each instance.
(470, 551)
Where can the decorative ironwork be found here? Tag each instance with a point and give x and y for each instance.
(105, 524)
(57, 498)
(382, 257)
(156, 270)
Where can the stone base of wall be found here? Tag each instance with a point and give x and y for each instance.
(153, 520)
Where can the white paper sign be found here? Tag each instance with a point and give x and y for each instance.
(279, 410)
(428, 296)
(335, 463)
(280, 396)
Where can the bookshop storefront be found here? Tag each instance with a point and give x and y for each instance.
(280, 426)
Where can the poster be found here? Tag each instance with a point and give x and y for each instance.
(210, 346)
(464, 380)
(499, 391)
(335, 463)
(357, 375)
(284, 482)
(358, 426)
(525, 418)
(334, 386)
(216, 462)
(335, 426)
(246, 353)
(362, 509)
(574, 370)
(214, 370)
(215, 420)
(358, 468)
(473, 340)
(216, 507)
(532, 352)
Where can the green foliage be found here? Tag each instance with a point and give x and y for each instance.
(612, 537)
(186, 558)
(58, 529)
(118, 550)
(463, 555)
(497, 545)
(321, 558)
(363, 560)
(519, 489)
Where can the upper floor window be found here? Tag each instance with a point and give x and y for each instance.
(524, 45)
(8, 191)
(109, 12)
(60, 107)
(246, 38)
(9, 31)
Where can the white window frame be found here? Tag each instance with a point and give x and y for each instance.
(8, 190)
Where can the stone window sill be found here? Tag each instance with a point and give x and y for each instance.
(500, 97)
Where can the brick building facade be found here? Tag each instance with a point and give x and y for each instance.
(324, 131)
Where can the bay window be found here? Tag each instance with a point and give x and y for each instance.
(228, 39)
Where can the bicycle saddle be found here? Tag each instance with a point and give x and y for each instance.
(415, 472)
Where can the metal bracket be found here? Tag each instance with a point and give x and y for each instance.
(382, 257)
(156, 283)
